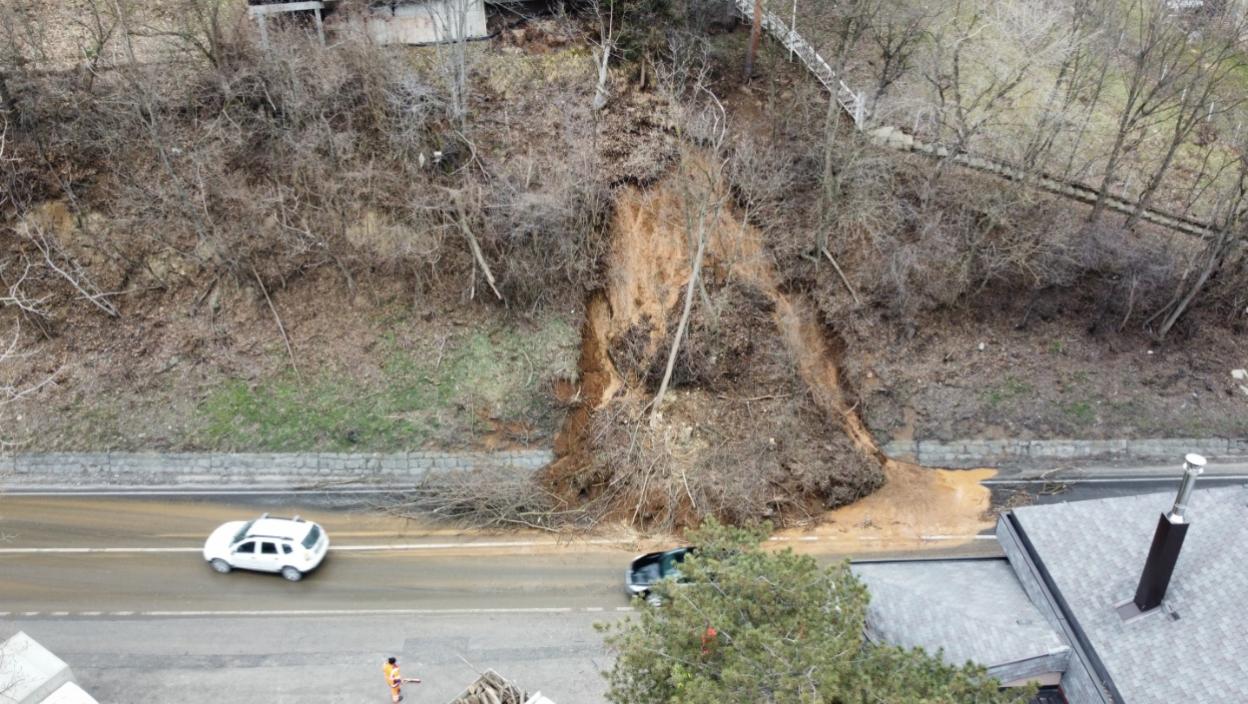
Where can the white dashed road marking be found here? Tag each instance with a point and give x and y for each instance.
(310, 612)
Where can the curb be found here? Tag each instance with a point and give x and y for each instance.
(222, 471)
(1012, 454)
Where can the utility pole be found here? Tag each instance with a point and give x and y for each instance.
(756, 34)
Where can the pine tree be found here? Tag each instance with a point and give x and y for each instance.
(749, 625)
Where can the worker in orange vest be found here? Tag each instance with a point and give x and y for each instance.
(395, 681)
(708, 638)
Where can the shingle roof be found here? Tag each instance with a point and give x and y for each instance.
(973, 610)
(1193, 648)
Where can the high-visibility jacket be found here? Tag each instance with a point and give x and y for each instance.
(393, 678)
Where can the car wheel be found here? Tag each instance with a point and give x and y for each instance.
(221, 565)
(292, 574)
(654, 599)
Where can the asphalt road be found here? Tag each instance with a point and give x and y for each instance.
(115, 585)
(280, 659)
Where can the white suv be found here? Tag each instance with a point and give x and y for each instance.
(291, 546)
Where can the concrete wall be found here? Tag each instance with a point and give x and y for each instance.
(1047, 453)
(29, 672)
(427, 22)
(270, 470)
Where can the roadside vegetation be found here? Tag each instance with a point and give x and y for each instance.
(210, 245)
(482, 389)
(748, 625)
(1142, 100)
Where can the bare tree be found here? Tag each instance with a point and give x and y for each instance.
(454, 20)
(1075, 94)
(602, 49)
(199, 25)
(756, 34)
(12, 390)
(704, 199)
(973, 90)
(897, 31)
(1213, 60)
(1225, 239)
(1156, 65)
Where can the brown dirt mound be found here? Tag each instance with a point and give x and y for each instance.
(738, 440)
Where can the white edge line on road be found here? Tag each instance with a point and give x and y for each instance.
(14, 491)
(316, 612)
(410, 547)
(333, 548)
(358, 612)
(1111, 480)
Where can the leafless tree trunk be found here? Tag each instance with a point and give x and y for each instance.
(1080, 77)
(146, 113)
(1213, 61)
(897, 33)
(968, 104)
(756, 35)
(199, 25)
(704, 201)
(1157, 65)
(602, 51)
(1216, 253)
(1228, 236)
(454, 57)
(855, 18)
(831, 193)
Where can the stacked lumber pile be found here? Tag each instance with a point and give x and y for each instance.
(491, 688)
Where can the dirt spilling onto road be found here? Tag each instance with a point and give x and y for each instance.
(798, 449)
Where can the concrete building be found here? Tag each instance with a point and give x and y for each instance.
(425, 21)
(384, 21)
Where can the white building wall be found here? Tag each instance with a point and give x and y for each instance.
(426, 22)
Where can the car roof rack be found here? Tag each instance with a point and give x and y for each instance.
(297, 518)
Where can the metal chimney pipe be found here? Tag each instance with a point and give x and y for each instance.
(1193, 465)
(1163, 554)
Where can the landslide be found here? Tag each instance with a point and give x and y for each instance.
(758, 422)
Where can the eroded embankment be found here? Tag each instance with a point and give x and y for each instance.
(798, 448)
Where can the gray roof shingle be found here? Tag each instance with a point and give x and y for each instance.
(1192, 649)
(974, 610)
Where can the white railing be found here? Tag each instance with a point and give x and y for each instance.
(852, 102)
(854, 105)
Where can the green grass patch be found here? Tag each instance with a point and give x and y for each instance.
(1012, 389)
(440, 394)
(1079, 412)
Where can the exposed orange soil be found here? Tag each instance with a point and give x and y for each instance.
(917, 507)
(655, 234)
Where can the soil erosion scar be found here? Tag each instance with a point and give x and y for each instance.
(649, 267)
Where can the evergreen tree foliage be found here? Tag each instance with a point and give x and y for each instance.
(749, 625)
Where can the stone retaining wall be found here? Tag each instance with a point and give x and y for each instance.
(1031, 453)
(290, 470)
(309, 470)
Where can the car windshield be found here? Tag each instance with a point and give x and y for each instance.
(671, 562)
(242, 532)
(647, 574)
(312, 536)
